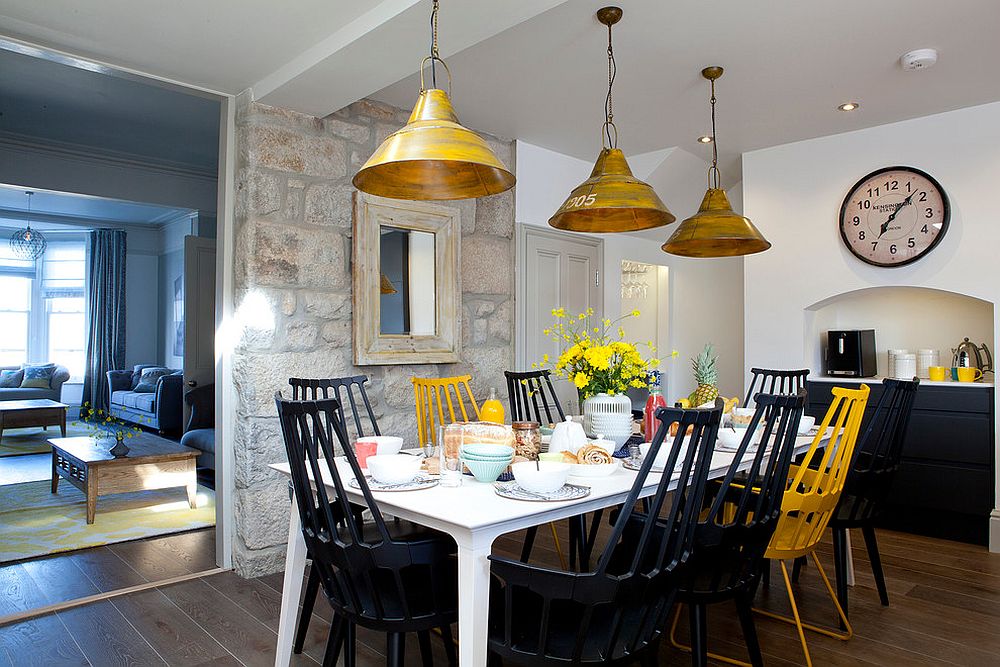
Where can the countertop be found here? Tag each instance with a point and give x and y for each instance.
(878, 380)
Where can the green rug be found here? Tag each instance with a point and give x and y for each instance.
(36, 522)
(34, 440)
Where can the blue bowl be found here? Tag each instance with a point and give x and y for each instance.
(487, 451)
(486, 471)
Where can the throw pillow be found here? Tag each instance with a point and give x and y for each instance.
(38, 376)
(149, 378)
(11, 378)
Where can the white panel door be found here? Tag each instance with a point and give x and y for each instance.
(199, 313)
(560, 270)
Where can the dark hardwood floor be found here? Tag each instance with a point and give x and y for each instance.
(945, 610)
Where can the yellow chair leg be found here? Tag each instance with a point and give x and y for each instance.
(687, 649)
(562, 559)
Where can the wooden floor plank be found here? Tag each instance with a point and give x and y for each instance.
(39, 642)
(18, 591)
(106, 637)
(105, 569)
(59, 579)
(171, 632)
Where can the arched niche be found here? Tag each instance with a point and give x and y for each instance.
(904, 317)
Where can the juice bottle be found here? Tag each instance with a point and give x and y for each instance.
(492, 409)
(655, 400)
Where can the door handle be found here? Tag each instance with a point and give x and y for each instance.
(192, 383)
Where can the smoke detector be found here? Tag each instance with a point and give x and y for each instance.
(918, 59)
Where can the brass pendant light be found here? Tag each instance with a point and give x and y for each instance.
(715, 230)
(612, 199)
(433, 157)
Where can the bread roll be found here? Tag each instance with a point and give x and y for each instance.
(593, 455)
(459, 433)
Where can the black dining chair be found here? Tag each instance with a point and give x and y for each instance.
(775, 381)
(875, 463)
(734, 529)
(351, 388)
(530, 394)
(372, 576)
(616, 613)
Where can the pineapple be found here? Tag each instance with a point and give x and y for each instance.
(706, 375)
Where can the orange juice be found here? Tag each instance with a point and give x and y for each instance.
(492, 409)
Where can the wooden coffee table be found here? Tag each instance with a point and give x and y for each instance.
(152, 463)
(32, 412)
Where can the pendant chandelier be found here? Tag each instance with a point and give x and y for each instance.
(715, 230)
(612, 199)
(28, 243)
(433, 156)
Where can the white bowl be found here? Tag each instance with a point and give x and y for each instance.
(806, 424)
(598, 470)
(543, 477)
(394, 468)
(730, 438)
(664, 454)
(610, 446)
(387, 444)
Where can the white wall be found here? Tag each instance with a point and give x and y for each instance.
(793, 193)
(141, 303)
(706, 295)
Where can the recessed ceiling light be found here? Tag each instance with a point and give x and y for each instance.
(705, 139)
(848, 106)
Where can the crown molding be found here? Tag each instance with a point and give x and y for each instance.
(13, 141)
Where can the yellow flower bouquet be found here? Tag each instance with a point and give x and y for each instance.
(594, 358)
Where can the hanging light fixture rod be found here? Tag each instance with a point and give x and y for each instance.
(609, 15)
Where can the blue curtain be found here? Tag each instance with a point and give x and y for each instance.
(105, 313)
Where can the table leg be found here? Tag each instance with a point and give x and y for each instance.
(91, 495)
(192, 487)
(850, 560)
(291, 588)
(473, 600)
(62, 424)
(55, 473)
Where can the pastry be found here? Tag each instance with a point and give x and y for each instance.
(569, 457)
(593, 455)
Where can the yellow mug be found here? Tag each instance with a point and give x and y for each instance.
(938, 373)
(969, 374)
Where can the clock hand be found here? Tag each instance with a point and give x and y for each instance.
(885, 225)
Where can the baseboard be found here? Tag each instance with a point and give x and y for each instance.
(995, 531)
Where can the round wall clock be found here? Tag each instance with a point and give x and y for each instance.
(894, 216)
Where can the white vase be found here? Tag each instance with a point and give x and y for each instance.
(610, 416)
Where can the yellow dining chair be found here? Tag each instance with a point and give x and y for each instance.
(433, 395)
(810, 499)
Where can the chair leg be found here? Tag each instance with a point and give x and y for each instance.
(687, 649)
(574, 540)
(426, 657)
(308, 602)
(876, 560)
(350, 644)
(699, 634)
(449, 646)
(559, 552)
(395, 649)
(529, 541)
(589, 540)
(765, 575)
(334, 642)
(840, 566)
(744, 608)
(797, 566)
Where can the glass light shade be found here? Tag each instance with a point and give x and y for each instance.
(28, 243)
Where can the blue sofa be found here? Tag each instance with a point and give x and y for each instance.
(162, 410)
(53, 392)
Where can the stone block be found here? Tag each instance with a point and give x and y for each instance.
(262, 114)
(367, 108)
(262, 515)
(259, 192)
(397, 388)
(294, 195)
(402, 424)
(486, 265)
(338, 333)
(251, 563)
(330, 204)
(495, 215)
(282, 149)
(501, 322)
(326, 305)
(486, 366)
(353, 132)
(283, 255)
(257, 375)
(300, 335)
(258, 444)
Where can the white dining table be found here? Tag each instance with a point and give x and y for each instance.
(474, 516)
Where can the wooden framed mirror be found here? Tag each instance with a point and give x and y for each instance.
(405, 269)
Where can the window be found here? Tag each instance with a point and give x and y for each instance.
(43, 306)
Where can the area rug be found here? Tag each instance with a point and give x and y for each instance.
(36, 522)
(34, 440)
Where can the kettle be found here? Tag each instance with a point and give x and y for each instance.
(968, 355)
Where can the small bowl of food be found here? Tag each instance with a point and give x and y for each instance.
(541, 476)
(394, 468)
(742, 417)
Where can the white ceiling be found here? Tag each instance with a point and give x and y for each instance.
(72, 209)
(535, 69)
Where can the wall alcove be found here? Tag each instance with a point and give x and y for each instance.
(904, 317)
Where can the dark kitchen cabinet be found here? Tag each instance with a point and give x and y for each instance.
(944, 487)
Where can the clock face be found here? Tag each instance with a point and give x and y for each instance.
(894, 216)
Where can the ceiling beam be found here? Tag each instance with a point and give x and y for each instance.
(383, 46)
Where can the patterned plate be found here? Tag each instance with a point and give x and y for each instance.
(567, 492)
(627, 463)
(420, 482)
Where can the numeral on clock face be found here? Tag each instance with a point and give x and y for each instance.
(894, 216)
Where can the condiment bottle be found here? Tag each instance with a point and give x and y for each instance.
(654, 402)
(492, 408)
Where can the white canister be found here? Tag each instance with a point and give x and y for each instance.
(925, 359)
(893, 353)
(906, 366)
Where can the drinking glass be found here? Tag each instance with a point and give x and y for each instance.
(451, 464)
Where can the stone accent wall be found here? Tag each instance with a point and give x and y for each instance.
(294, 210)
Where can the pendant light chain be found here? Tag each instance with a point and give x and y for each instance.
(434, 43)
(714, 171)
(609, 110)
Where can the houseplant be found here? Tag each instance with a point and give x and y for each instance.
(101, 424)
(602, 365)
